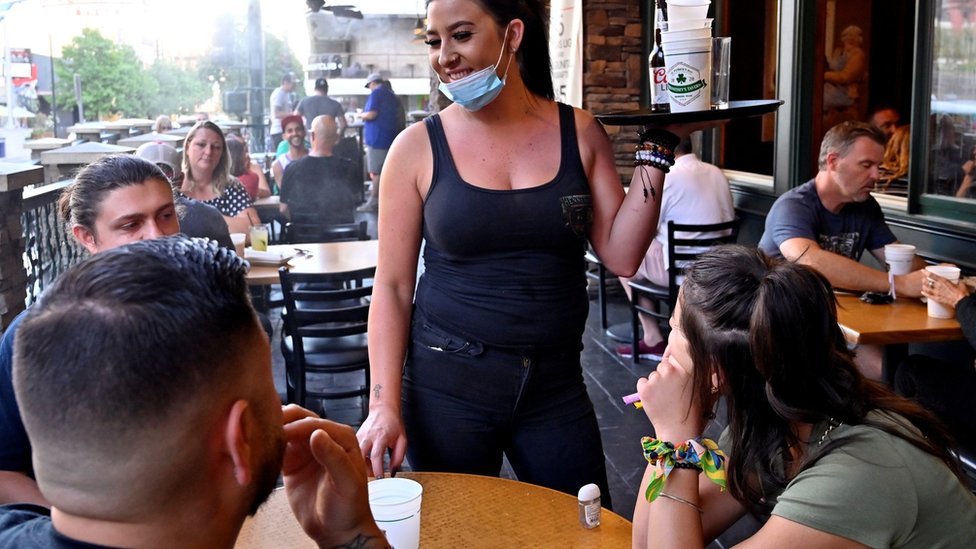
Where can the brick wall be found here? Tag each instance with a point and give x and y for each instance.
(612, 69)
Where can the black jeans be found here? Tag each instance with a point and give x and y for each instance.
(466, 403)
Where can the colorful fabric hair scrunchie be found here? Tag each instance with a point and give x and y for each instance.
(697, 453)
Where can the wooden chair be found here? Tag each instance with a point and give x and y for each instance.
(682, 252)
(325, 334)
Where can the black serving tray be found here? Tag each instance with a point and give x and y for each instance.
(645, 117)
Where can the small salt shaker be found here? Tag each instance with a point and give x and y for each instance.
(589, 506)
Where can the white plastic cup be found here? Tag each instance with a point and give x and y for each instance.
(689, 71)
(238, 240)
(936, 309)
(899, 258)
(721, 60)
(395, 503)
(688, 24)
(682, 10)
(670, 36)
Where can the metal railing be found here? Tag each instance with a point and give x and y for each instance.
(48, 249)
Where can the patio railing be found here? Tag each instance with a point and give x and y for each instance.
(48, 249)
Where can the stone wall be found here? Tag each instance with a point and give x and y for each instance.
(612, 69)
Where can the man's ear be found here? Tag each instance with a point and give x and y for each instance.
(832, 161)
(236, 442)
(85, 237)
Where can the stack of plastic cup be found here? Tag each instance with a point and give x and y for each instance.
(688, 55)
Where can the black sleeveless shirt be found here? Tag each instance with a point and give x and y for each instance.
(505, 267)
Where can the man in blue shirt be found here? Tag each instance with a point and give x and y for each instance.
(828, 223)
(381, 124)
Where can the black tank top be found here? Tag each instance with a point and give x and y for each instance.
(505, 267)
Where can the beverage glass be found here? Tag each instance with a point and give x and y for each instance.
(238, 240)
(395, 503)
(259, 237)
(950, 273)
(721, 57)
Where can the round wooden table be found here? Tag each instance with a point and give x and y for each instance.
(328, 257)
(465, 511)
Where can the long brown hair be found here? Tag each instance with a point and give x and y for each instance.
(769, 328)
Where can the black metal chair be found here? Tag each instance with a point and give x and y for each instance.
(325, 335)
(599, 274)
(302, 229)
(682, 252)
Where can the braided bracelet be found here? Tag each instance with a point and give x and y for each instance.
(697, 453)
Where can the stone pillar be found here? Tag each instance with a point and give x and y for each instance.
(13, 278)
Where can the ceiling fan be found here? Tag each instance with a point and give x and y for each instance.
(346, 10)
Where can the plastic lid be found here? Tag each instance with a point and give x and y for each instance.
(588, 492)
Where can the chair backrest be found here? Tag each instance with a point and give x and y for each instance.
(326, 304)
(300, 231)
(684, 248)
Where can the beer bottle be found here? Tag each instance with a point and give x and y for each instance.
(658, 71)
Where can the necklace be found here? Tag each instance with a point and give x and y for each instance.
(830, 427)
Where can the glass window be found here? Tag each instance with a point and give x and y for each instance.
(952, 124)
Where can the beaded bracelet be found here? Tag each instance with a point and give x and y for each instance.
(697, 453)
(655, 148)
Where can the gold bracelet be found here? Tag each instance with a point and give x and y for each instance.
(681, 500)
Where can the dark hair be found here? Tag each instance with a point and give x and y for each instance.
(684, 146)
(769, 328)
(221, 174)
(841, 138)
(126, 340)
(81, 201)
(533, 54)
(235, 152)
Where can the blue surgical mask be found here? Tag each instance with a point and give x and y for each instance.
(477, 89)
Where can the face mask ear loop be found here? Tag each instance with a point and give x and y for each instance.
(501, 53)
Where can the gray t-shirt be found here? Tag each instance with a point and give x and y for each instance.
(284, 101)
(203, 220)
(317, 105)
(799, 213)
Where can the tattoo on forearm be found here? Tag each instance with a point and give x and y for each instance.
(361, 541)
(376, 390)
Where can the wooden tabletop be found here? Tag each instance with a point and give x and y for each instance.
(267, 202)
(904, 321)
(465, 511)
(330, 257)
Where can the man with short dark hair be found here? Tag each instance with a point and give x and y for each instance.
(145, 385)
(282, 104)
(320, 104)
(322, 185)
(294, 132)
(830, 221)
(884, 118)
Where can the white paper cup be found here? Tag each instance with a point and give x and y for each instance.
(899, 258)
(238, 240)
(395, 503)
(689, 69)
(936, 309)
(682, 10)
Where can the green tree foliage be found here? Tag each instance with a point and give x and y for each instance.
(112, 78)
(180, 90)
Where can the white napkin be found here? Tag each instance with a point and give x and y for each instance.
(268, 256)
